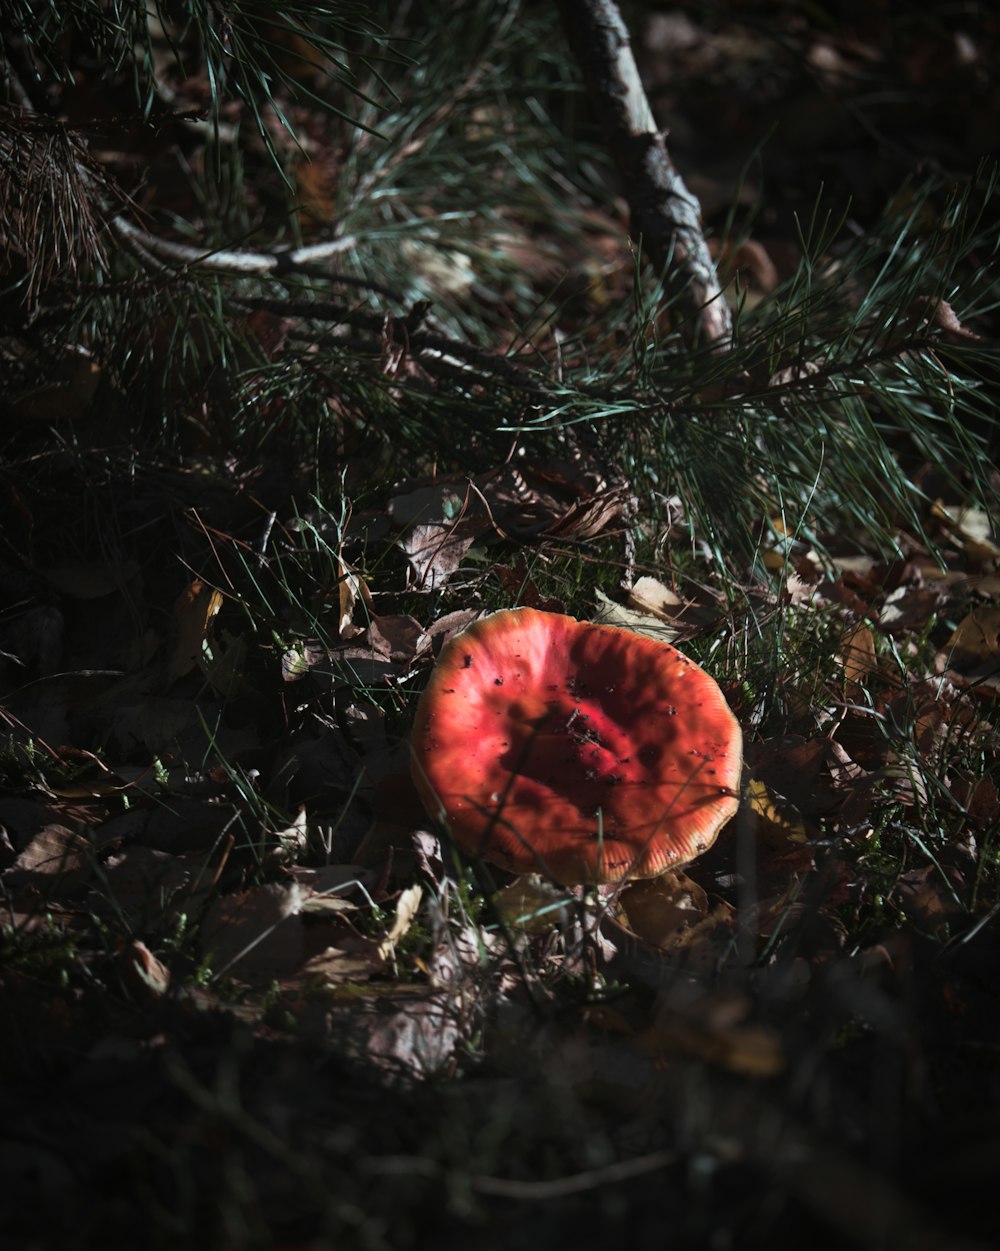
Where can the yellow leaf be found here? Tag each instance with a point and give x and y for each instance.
(778, 820)
(194, 610)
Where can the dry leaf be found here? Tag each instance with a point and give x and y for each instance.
(57, 860)
(144, 971)
(348, 590)
(222, 661)
(299, 660)
(976, 640)
(659, 909)
(798, 591)
(294, 838)
(651, 596)
(974, 527)
(335, 966)
(777, 821)
(533, 904)
(589, 517)
(407, 907)
(436, 550)
(752, 261)
(145, 882)
(980, 799)
(406, 1031)
(65, 397)
(909, 608)
(257, 934)
(446, 627)
(751, 1050)
(608, 612)
(857, 651)
(926, 899)
(330, 882)
(795, 769)
(396, 635)
(194, 610)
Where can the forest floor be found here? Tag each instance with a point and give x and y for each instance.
(250, 993)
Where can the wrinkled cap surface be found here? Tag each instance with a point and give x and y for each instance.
(585, 752)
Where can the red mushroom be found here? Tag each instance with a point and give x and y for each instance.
(585, 752)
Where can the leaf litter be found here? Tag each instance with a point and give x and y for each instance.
(252, 857)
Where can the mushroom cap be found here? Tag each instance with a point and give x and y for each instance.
(582, 751)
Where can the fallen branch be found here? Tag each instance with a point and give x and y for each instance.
(666, 217)
(228, 260)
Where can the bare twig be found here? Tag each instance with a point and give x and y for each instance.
(666, 217)
(545, 1190)
(228, 260)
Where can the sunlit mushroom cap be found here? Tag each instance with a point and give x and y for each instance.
(581, 751)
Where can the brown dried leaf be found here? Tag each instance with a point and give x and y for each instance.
(436, 550)
(799, 591)
(649, 595)
(751, 1050)
(925, 898)
(146, 881)
(445, 628)
(975, 641)
(57, 858)
(335, 966)
(752, 261)
(658, 910)
(64, 398)
(194, 610)
(608, 612)
(795, 768)
(143, 971)
(222, 662)
(909, 608)
(712, 1026)
(442, 502)
(327, 887)
(407, 1031)
(257, 933)
(561, 499)
(533, 904)
(857, 652)
(589, 517)
(521, 587)
(974, 527)
(293, 840)
(941, 314)
(980, 799)
(348, 590)
(396, 635)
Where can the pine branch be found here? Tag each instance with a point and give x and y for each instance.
(666, 217)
